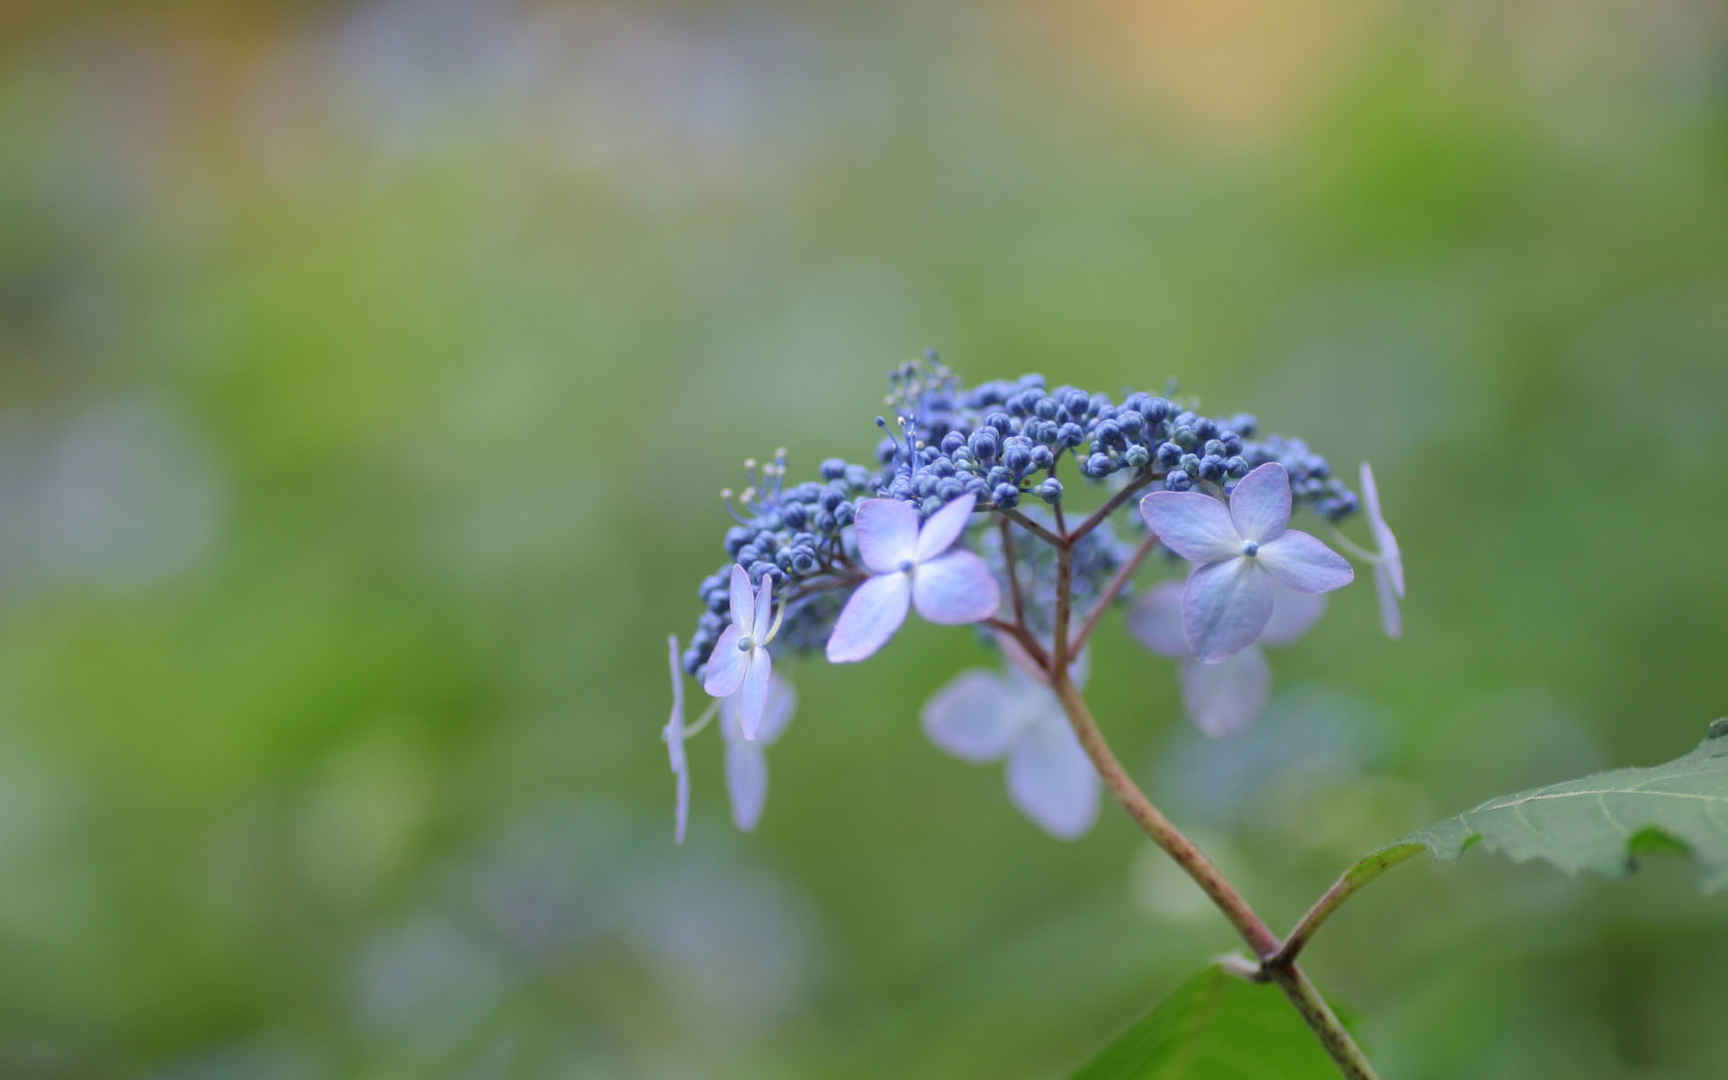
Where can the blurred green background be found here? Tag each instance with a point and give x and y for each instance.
(368, 372)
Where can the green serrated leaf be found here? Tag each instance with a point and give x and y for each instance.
(1216, 1026)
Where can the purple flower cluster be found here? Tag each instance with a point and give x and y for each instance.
(837, 564)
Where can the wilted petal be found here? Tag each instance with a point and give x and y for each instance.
(1224, 607)
(746, 782)
(1260, 503)
(1052, 781)
(974, 717)
(726, 665)
(1223, 699)
(782, 702)
(743, 602)
(1301, 562)
(1391, 619)
(1155, 620)
(1383, 538)
(943, 528)
(887, 534)
(1293, 614)
(673, 733)
(1194, 526)
(753, 693)
(871, 615)
(764, 617)
(955, 588)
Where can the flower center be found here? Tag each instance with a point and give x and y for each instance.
(746, 643)
(1250, 548)
(906, 566)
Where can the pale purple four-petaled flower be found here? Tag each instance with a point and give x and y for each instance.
(1241, 554)
(740, 663)
(910, 567)
(1223, 698)
(1389, 566)
(985, 716)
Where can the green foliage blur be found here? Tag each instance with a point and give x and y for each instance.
(368, 373)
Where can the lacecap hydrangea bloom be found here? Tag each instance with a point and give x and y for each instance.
(974, 509)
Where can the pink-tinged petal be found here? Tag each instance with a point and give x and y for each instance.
(1155, 620)
(1391, 619)
(1224, 608)
(1224, 699)
(674, 736)
(1260, 504)
(743, 602)
(1052, 781)
(871, 615)
(753, 693)
(887, 534)
(975, 716)
(955, 588)
(782, 702)
(746, 782)
(1383, 538)
(763, 618)
(1293, 614)
(1298, 561)
(1194, 526)
(726, 665)
(943, 528)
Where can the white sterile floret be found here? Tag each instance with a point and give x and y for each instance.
(1240, 554)
(910, 567)
(740, 663)
(1389, 566)
(984, 716)
(1223, 698)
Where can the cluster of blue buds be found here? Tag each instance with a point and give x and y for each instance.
(964, 517)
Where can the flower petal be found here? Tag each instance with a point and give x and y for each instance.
(1260, 504)
(1223, 699)
(746, 782)
(763, 618)
(777, 713)
(1155, 620)
(753, 693)
(1293, 614)
(1224, 607)
(743, 602)
(943, 528)
(673, 733)
(955, 588)
(1298, 561)
(726, 665)
(974, 716)
(1383, 538)
(887, 532)
(1051, 780)
(871, 615)
(1391, 619)
(1194, 526)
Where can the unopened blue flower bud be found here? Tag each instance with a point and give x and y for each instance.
(843, 514)
(1168, 455)
(983, 445)
(1235, 467)
(1001, 421)
(1042, 457)
(833, 469)
(1137, 456)
(952, 442)
(1018, 459)
(1184, 436)
(1099, 466)
(1212, 468)
(1006, 495)
(1046, 408)
(1177, 480)
(1070, 434)
(1189, 464)
(1050, 490)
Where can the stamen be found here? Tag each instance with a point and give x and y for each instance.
(1250, 548)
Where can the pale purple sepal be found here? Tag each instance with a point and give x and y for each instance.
(752, 696)
(1225, 698)
(955, 588)
(943, 528)
(673, 733)
(887, 531)
(974, 717)
(1293, 614)
(746, 759)
(726, 666)
(1260, 503)
(1155, 620)
(871, 615)
(1225, 606)
(1194, 526)
(1301, 562)
(743, 601)
(1389, 571)
(1053, 782)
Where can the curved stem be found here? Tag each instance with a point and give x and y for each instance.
(1111, 589)
(1290, 978)
(1343, 889)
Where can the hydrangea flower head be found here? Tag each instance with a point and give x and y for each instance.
(674, 736)
(1389, 566)
(910, 567)
(747, 758)
(740, 663)
(1223, 698)
(1241, 554)
(985, 716)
